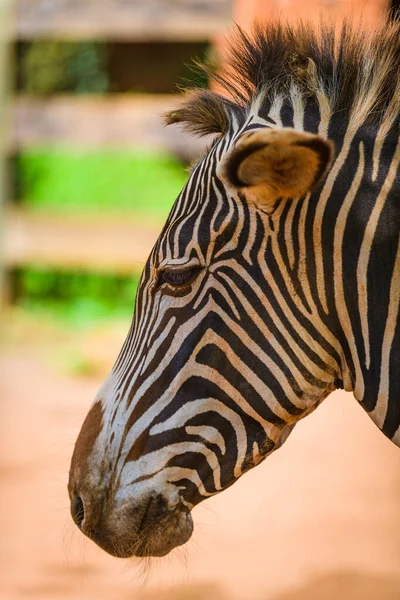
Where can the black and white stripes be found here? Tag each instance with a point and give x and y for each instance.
(253, 308)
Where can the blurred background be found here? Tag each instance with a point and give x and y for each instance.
(88, 174)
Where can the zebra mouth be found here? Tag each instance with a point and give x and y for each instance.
(159, 534)
(156, 532)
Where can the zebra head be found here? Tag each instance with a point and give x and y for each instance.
(212, 376)
(233, 339)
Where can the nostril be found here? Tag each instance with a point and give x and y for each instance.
(77, 511)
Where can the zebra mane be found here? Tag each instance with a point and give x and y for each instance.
(347, 68)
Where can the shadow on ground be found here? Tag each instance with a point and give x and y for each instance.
(346, 586)
(206, 591)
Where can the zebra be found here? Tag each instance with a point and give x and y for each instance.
(275, 280)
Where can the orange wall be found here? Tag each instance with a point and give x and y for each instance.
(245, 12)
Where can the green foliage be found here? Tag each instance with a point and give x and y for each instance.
(134, 182)
(78, 298)
(54, 66)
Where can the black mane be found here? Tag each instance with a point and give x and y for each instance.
(357, 71)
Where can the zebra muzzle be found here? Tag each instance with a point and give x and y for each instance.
(148, 527)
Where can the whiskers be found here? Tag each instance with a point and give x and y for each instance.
(145, 543)
(146, 569)
(68, 537)
(75, 553)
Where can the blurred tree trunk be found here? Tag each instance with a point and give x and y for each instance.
(5, 33)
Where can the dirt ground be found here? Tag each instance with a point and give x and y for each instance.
(319, 520)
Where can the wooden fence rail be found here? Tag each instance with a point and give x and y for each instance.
(107, 121)
(113, 245)
(149, 20)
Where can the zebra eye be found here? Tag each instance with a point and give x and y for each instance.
(178, 279)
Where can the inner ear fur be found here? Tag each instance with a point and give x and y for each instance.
(277, 163)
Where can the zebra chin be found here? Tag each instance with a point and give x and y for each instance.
(144, 528)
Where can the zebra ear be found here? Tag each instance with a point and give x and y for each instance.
(277, 163)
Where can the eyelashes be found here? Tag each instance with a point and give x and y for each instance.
(178, 280)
